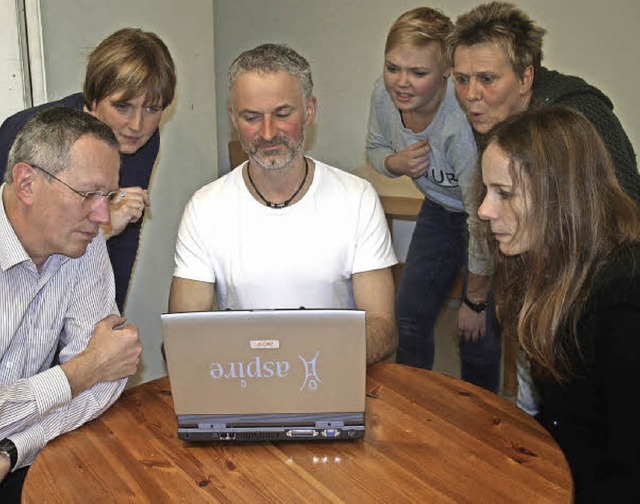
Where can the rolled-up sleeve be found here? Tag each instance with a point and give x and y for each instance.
(463, 154)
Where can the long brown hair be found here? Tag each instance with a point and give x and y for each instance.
(578, 218)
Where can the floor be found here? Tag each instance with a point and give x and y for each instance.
(447, 358)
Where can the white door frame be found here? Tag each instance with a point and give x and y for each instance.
(22, 72)
(13, 91)
(35, 51)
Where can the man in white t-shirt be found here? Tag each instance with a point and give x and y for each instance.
(284, 230)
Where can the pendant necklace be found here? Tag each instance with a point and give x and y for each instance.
(271, 204)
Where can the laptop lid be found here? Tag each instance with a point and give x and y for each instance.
(266, 369)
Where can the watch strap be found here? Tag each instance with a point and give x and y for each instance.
(8, 448)
(479, 307)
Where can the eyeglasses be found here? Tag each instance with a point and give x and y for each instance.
(90, 195)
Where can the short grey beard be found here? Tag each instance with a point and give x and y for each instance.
(270, 163)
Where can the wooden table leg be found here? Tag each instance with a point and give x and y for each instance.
(510, 372)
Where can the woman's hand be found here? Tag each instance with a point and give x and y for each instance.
(471, 325)
(128, 208)
(412, 162)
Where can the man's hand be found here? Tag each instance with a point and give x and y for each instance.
(126, 209)
(412, 162)
(115, 347)
(5, 467)
(113, 353)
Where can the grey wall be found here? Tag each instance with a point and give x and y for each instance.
(188, 131)
(344, 40)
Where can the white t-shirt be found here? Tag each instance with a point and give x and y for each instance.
(301, 255)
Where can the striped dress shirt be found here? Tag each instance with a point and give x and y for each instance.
(44, 314)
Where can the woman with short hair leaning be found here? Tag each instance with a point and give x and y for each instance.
(496, 53)
(130, 79)
(567, 287)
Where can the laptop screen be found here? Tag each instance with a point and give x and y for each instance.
(266, 361)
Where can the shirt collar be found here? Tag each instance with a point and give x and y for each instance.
(11, 250)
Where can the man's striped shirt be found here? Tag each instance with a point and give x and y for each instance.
(43, 315)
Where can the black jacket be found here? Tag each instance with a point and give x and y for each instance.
(553, 88)
(593, 417)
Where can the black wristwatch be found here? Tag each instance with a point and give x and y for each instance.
(9, 449)
(476, 307)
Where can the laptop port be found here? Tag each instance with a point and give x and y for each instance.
(228, 436)
(331, 433)
(302, 433)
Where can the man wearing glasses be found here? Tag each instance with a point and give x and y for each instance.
(65, 352)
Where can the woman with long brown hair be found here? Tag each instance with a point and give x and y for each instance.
(567, 287)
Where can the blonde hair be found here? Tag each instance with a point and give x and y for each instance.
(133, 62)
(418, 27)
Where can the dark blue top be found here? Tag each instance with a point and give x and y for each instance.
(135, 170)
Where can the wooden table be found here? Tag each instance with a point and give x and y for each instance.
(430, 438)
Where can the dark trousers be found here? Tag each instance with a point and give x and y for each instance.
(437, 252)
(11, 487)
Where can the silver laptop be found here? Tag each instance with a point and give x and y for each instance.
(267, 375)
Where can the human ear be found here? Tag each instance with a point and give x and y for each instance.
(310, 110)
(232, 116)
(23, 180)
(526, 80)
